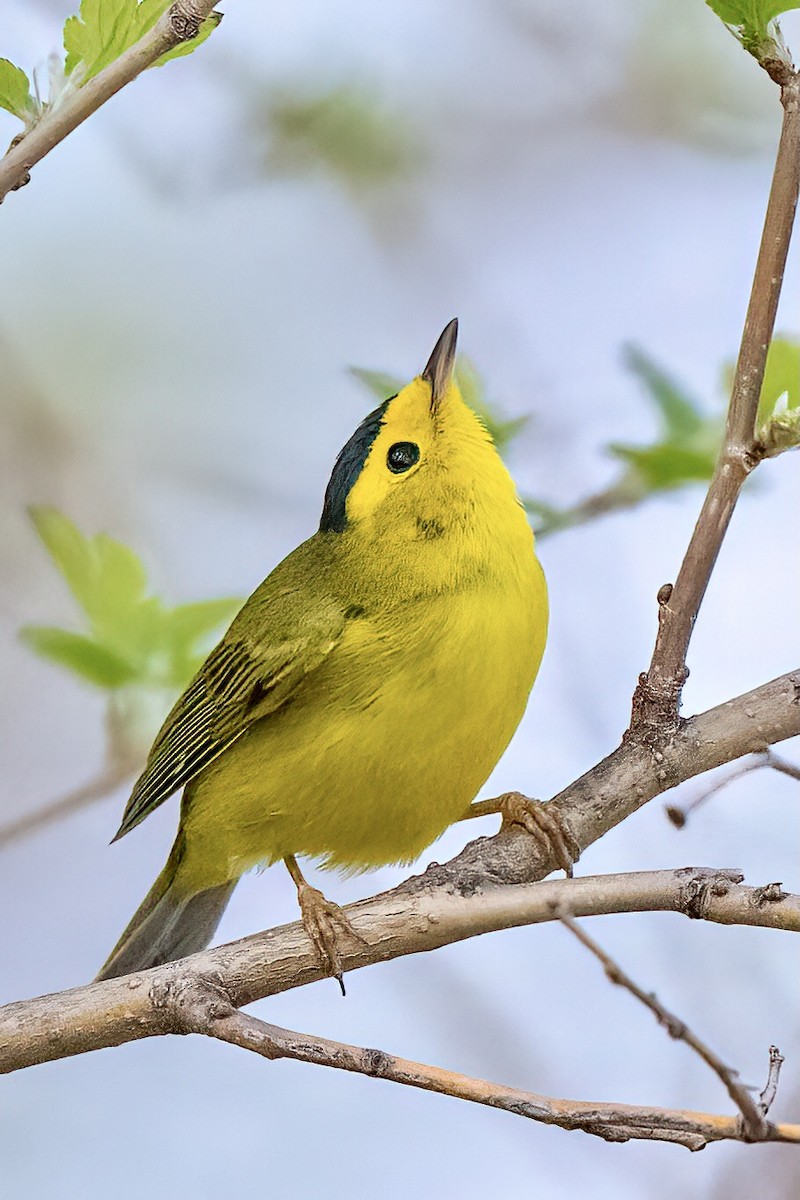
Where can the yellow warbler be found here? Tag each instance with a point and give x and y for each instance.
(366, 689)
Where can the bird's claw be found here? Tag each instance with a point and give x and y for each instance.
(543, 823)
(325, 923)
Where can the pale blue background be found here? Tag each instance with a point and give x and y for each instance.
(175, 331)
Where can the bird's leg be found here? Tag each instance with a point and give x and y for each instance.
(323, 921)
(540, 820)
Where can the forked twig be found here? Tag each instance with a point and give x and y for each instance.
(753, 1115)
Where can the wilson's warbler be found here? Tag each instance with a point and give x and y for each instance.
(366, 689)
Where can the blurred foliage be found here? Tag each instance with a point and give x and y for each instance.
(345, 130)
(133, 639)
(96, 37)
(503, 429)
(752, 22)
(685, 448)
(688, 443)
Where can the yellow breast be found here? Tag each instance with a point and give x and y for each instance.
(390, 740)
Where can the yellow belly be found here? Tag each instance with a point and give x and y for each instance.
(383, 747)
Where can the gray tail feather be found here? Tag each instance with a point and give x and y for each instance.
(167, 925)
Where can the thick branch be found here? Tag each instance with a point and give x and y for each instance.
(407, 920)
(459, 899)
(657, 698)
(179, 24)
(456, 900)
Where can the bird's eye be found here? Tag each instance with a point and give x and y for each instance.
(402, 456)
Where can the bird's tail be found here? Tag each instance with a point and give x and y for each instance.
(167, 924)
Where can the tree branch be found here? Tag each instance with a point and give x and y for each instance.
(753, 1114)
(656, 700)
(613, 1122)
(179, 24)
(181, 999)
(408, 920)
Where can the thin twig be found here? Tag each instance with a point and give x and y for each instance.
(179, 24)
(753, 1117)
(613, 1122)
(656, 700)
(679, 814)
(96, 789)
(767, 1097)
(782, 765)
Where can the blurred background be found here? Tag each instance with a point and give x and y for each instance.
(187, 281)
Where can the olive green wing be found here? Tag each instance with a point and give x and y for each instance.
(244, 679)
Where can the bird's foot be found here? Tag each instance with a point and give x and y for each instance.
(325, 923)
(543, 823)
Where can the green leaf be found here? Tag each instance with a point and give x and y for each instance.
(101, 32)
(687, 446)
(69, 549)
(15, 91)
(82, 655)
(105, 29)
(753, 23)
(206, 29)
(682, 416)
(781, 380)
(666, 464)
(133, 638)
(756, 14)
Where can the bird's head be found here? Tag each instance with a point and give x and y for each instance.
(419, 466)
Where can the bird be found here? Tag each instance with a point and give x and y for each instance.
(367, 688)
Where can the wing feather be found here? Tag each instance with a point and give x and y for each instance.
(240, 682)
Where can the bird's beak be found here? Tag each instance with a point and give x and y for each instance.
(439, 369)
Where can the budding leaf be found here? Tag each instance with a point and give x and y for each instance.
(753, 23)
(780, 391)
(15, 91)
(105, 29)
(754, 13)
